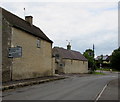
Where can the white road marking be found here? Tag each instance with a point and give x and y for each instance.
(101, 93)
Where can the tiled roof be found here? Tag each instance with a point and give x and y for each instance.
(104, 57)
(68, 54)
(17, 22)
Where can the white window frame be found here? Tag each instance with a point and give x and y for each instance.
(38, 42)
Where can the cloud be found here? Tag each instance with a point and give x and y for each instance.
(83, 23)
(60, 0)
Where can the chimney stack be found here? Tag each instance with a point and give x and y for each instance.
(69, 46)
(29, 19)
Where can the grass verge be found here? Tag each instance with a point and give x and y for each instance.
(98, 73)
(108, 69)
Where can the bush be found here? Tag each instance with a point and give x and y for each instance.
(115, 59)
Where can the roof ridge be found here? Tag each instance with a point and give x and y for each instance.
(20, 23)
(67, 49)
(14, 15)
(68, 54)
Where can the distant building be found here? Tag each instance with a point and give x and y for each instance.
(104, 60)
(69, 61)
(26, 50)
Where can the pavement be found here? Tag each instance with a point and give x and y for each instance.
(111, 92)
(83, 83)
(27, 82)
(75, 87)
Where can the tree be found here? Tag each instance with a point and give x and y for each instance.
(89, 55)
(115, 59)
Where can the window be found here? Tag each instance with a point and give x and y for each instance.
(57, 56)
(38, 43)
(56, 71)
(61, 65)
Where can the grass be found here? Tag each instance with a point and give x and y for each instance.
(104, 69)
(114, 70)
(108, 69)
(98, 73)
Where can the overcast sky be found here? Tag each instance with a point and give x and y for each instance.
(85, 23)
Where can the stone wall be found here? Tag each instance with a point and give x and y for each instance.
(75, 66)
(35, 62)
(6, 43)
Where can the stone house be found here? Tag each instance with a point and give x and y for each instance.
(104, 60)
(26, 50)
(69, 61)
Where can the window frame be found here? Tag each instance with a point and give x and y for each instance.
(38, 43)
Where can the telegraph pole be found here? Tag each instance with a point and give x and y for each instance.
(93, 50)
(93, 57)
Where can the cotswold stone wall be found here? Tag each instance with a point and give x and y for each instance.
(6, 43)
(35, 62)
(75, 66)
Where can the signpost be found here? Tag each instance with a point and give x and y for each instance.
(15, 52)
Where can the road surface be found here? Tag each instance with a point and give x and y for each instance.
(73, 88)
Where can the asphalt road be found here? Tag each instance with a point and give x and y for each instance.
(72, 88)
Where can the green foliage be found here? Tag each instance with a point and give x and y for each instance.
(107, 69)
(97, 73)
(104, 69)
(89, 55)
(115, 59)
